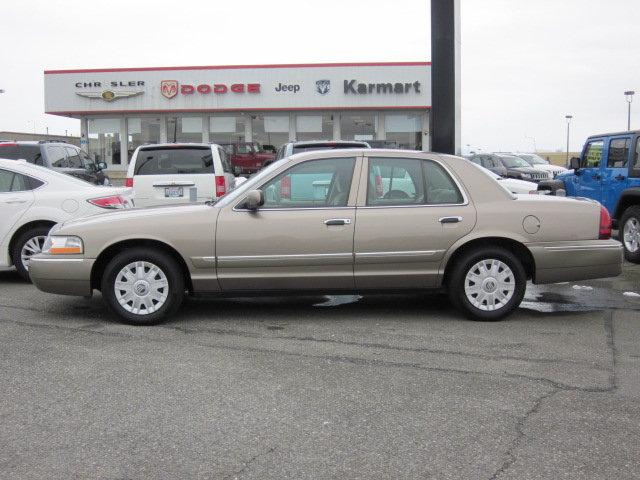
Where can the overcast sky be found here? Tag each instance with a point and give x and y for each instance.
(525, 63)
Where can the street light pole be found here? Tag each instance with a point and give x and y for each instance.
(568, 118)
(629, 96)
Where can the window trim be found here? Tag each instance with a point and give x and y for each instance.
(629, 151)
(463, 192)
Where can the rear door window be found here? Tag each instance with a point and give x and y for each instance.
(16, 182)
(619, 152)
(57, 156)
(172, 161)
(73, 158)
(635, 168)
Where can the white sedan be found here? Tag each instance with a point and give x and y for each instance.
(512, 184)
(34, 198)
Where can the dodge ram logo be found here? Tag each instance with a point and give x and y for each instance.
(169, 88)
(323, 86)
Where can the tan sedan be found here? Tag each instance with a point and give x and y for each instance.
(336, 222)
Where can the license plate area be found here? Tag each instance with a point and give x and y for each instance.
(173, 192)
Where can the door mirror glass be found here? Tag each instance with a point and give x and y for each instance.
(574, 163)
(255, 199)
(102, 166)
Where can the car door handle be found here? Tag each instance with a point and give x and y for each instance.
(596, 177)
(450, 219)
(15, 201)
(620, 177)
(337, 221)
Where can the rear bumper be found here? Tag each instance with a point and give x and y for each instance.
(576, 260)
(64, 276)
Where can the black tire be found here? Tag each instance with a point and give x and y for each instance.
(468, 261)
(21, 241)
(632, 212)
(167, 265)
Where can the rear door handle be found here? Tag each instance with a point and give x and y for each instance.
(450, 219)
(337, 221)
(596, 177)
(15, 201)
(620, 177)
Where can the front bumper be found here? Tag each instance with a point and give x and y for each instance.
(576, 260)
(64, 276)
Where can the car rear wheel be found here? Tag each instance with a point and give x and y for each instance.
(26, 246)
(142, 286)
(487, 284)
(630, 233)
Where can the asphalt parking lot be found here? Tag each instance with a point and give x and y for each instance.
(326, 387)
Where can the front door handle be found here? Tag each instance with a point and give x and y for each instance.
(620, 177)
(15, 201)
(450, 220)
(596, 176)
(337, 221)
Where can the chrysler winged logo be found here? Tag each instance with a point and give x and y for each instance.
(323, 86)
(169, 88)
(109, 95)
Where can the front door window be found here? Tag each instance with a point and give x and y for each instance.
(313, 184)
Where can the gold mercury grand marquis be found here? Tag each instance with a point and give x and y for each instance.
(335, 222)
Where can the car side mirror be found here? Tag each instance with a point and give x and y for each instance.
(255, 199)
(102, 166)
(574, 163)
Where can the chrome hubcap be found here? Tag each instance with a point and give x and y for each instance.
(29, 249)
(631, 235)
(489, 284)
(141, 288)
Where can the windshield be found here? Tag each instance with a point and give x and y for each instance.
(250, 184)
(533, 159)
(513, 162)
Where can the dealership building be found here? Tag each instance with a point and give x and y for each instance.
(120, 109)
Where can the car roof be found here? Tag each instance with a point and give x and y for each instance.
(176, 145)
(361, 143)
(615, 134)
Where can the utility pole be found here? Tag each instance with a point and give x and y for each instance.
(629, 96)
(568, 118)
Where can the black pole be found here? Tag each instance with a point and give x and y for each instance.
(444, 77)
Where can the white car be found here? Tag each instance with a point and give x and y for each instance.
(33, 199)
(174, 173)
(512, 184)
(540, 163)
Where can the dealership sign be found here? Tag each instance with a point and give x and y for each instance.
(284, 87)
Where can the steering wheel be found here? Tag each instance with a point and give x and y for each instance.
(395, 195)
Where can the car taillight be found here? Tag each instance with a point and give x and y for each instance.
(285, 187)
(128, 182)
(379, 189)
(605, 224)
(111, 202)
(8, 144)
(221, 186)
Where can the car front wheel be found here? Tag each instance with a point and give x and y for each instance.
(142, 286)
(630, 233)
(26, 246)
(487, 284)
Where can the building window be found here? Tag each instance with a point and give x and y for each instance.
(270, 129)
(404, 130)
(142, 131)
(314, 127)
(104, 139)
(184, 129)
(358, 127)
(226, 129)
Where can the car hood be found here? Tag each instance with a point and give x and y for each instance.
(135, 213)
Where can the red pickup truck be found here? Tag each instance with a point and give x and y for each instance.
(247, 157)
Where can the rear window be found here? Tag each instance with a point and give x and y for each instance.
(31, 153)
(171, 161)
(328, 146)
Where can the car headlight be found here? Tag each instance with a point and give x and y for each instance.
(63, 245)
(525, 175)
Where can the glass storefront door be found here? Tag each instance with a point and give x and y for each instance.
(104, 139)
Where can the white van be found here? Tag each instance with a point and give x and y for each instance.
(174, 173)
